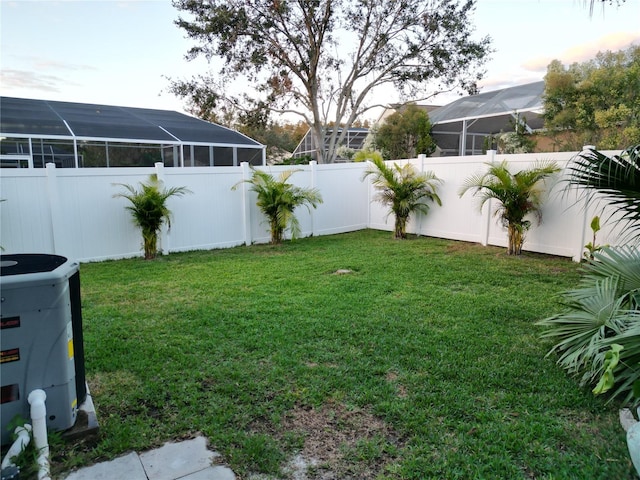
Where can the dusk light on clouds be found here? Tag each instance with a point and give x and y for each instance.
(585, 52)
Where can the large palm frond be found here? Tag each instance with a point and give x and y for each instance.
(602, 311)
(617, 177)
(627, 372)
(622, 263)
(586, 323)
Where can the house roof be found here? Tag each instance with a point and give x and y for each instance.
(45, 118)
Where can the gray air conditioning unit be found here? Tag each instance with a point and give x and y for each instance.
(41, 337)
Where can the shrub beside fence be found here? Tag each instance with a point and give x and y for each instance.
(72, 212)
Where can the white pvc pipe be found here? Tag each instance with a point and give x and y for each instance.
(23, 434)
(633, 442)
(39, 420)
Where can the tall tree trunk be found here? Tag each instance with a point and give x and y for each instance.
(318, 137)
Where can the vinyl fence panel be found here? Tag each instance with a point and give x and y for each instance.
(25, 224)
(208, 217)
(73, 212)
(345, 196)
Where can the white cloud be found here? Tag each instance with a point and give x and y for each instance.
(38, 63)
(613, 42)
(61, 66)
(538, 64)
(26, 80)
(585, 51)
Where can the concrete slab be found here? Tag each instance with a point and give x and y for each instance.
(176, 460)
(86, 426)
(128, 466)
(212, 473)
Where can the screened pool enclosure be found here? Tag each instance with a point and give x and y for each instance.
(76, 135)
(461, 127)
(354, 140)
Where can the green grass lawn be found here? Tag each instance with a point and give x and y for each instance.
(422, 362)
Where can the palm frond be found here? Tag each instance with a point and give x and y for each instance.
(603, 310)
(277, 199)
(148, 207)
(627, 372)
(518, 195)
(620, 262)
(404, 190)
(617, 177)
(581, 329)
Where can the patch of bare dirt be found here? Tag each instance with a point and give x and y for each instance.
(460, 246)
(343, 271)
(338, 443)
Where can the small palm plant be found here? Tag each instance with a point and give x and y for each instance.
(404, 190)
(519, 194)
(149, 209)
(278, 199)
(592, 246)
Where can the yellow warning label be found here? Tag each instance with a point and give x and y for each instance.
(70, 348)
(11, 355)
(74, 404)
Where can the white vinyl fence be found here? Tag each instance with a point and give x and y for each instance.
(566, 214)
(73, 212)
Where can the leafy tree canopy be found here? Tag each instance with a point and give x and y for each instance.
(322, 59)
(279, 137)
(405, 134)
(595, 102)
